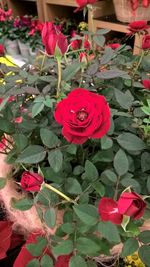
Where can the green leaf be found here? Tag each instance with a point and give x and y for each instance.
(109, 231)
(73, 186)
(78, 170)
(50, 217)
(144, 254)
(77, 261)
(145, 161)
(130, 142)
(125, 100)
(106, 142)
(108, 55)
(3, 182)
(87, 246)
(90, 170)
(20, 140)
(110, 74)
(37, 108)
(99, 188)
(55, 159)
(72, 149)
(46, 261)
(99, 40)
(70, 71)
(109, 175)
(87, 213)
(67, 228)
(33, 263)
(148, 184)
(6, 126)
(144, 237)
(48, 138)
(104, 156)
(32, 154)
(129, 247)
(21, 204)
(121, 163)
(64, 248)
(36, 249)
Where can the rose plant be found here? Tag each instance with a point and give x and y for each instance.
(75, 153)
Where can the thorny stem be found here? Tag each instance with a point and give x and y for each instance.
(59, 76)
(59, 193)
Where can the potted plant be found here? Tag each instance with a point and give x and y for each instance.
(74, 152)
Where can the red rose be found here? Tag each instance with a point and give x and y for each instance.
(3, 144)
(2, 50)
(146, 42)
(108, 210)
(83, 115)
(137, 26)
(62, 261)
(53, 39)
(83, 3)
(19, 120)
(86, 43)
(131, 204)
(114, 46)
(146, 84)
(31, 181)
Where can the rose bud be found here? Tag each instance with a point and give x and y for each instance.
(138, 26)
(131, 204)
(53, 39)
(83, 115)
(108, 210)
(114, 45)
(31, 181)
(83, 3)
(146, 42)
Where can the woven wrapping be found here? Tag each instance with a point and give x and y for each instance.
(124, 12)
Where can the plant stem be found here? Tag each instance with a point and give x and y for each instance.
(59, 76)
(59, 193)
(139, 62)
(42, 64)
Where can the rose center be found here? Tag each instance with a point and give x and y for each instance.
(82, 115)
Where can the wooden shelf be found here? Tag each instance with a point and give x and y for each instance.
(29, 7)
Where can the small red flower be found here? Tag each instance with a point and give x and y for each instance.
(62, 261)
(83, 115)
(114, 45)
(146, 84)
(2, 50)
(53, 39)
(138, 26)
(31, 181)
(83, 3)
(75, 44)
(146, 42)
(18, 119)
(131, 204)
(3, 143)
(108, 210)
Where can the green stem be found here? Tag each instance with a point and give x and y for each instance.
(139, 62)
(42, 64)
(59, 193)
(59, 76)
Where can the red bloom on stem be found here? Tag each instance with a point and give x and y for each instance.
(131, 204)
(75, 44)
(2, 50)
(83, 3)
(146, 84)
(146, 42)
(83, 115)
(114, 45)
(62, 261)
(86, 43)
(108, 210)
(138, 26)
(31, 181)
(53, 39)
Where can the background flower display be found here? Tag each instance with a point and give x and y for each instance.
(75, 138)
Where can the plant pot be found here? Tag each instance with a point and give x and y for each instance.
(124, 12)
(24, 49)
(12, 47)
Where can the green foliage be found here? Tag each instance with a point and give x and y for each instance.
(22, 204)
(130, 246)
(109, 231)
(37, 248)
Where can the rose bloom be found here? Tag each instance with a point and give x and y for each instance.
(114, 46)
(146, 42)
(83, 115)
(86, 43)
(75, 44)
(146, 84)
(31, 181)
(83, 3)
(131, 204)
(108, 210)
(53, 39)
(137, 26)
(2, 50)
